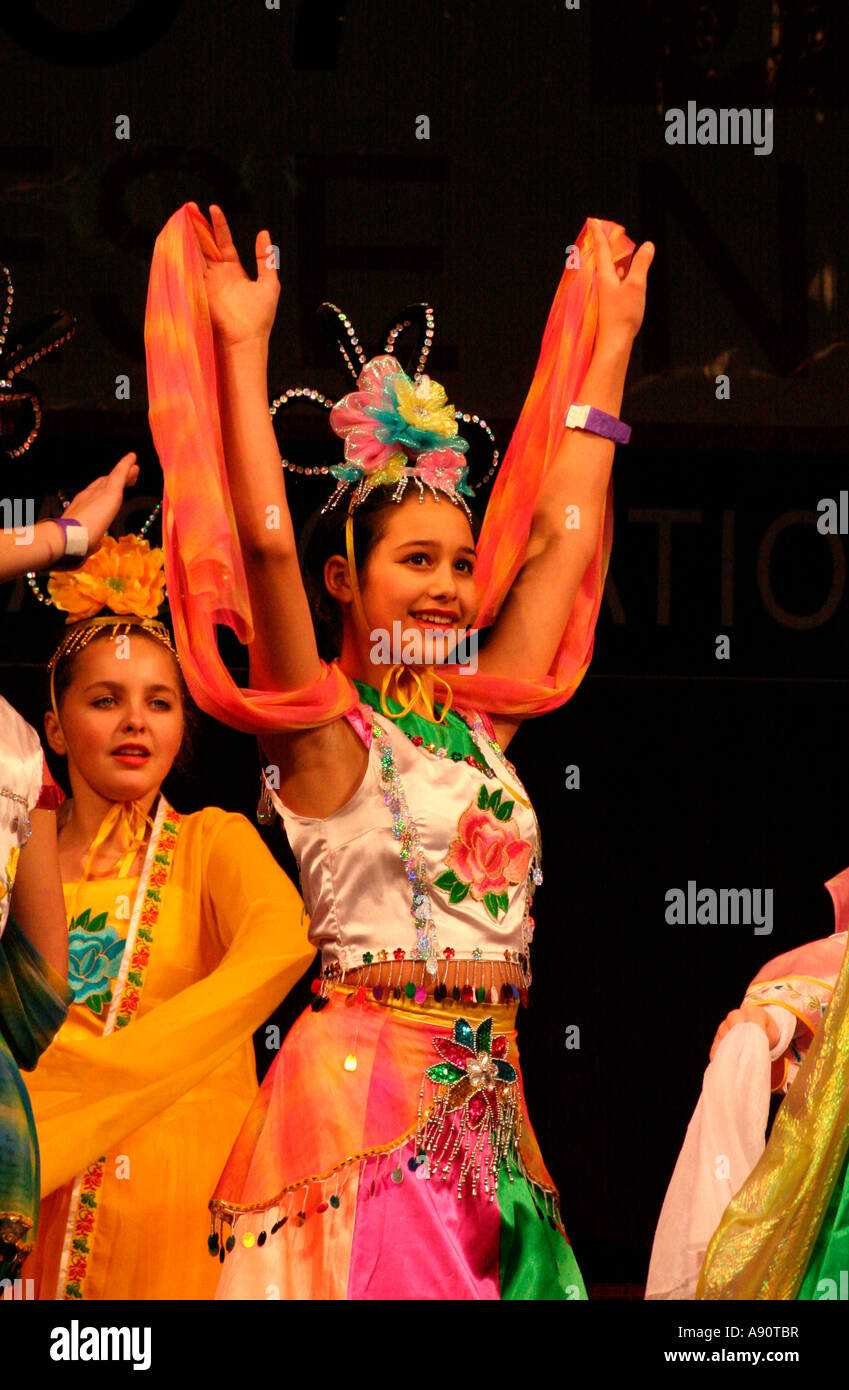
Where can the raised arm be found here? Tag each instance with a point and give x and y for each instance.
(283, 655)
(527, 631)
(319, 769)
(38, 547)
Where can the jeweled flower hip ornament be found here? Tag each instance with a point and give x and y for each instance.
(474, 1120)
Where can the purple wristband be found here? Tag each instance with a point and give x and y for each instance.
(586, 417)
(76, 544)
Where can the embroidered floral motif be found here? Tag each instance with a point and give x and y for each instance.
(488, 854)
(808, 1002)
(94, 958)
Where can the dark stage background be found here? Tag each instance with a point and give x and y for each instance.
(307, 119)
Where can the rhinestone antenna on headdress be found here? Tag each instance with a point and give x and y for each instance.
(33, 342)
(397, 427)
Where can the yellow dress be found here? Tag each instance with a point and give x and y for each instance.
(136, 1124)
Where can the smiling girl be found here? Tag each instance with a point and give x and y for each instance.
(183, 936)
(390, 1153)
(33, 944)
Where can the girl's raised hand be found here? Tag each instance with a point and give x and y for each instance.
(98, 504)
(242, 310)
(621, 291)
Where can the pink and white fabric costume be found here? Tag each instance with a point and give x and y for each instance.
(727, 1133)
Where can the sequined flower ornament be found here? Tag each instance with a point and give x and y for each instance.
(123, 575)
(474, 1070)
(390, 419)
(487, 855)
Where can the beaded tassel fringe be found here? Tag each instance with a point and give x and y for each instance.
(455, 1146)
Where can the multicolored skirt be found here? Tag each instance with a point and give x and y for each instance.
(389, 1155)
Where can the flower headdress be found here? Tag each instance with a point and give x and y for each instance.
(125, 576)
(396, 427)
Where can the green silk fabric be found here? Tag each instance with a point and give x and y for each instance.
(34, 1003)
(536, 1261)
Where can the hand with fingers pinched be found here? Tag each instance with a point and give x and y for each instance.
(242, 310)
(621, 289)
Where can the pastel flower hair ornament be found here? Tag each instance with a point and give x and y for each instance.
(398, 426)
(396, 429)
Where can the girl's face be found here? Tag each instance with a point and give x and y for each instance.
(421, 571)
(121, 717)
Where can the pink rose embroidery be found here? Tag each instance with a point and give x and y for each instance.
(487, 856)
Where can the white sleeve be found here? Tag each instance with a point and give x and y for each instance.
(723, 1143)
(787, 1022)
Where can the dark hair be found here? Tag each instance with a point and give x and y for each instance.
(64, 675)
(324, 535)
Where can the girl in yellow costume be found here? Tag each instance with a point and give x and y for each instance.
(184, 935)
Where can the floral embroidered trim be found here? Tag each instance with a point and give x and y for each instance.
(83, 1207)
(157, 878)
(85, 1193)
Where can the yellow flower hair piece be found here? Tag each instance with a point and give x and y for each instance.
(123, 575)
(424, 404)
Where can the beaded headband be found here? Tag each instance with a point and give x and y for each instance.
(397, 428)
(80, 634)
(33, 342)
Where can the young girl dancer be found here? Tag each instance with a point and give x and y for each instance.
(33, 950)
(390, 1154)
(183, 934)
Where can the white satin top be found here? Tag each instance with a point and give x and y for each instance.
(355, 885)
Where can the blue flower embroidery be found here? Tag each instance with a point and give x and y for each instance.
(94, 955)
